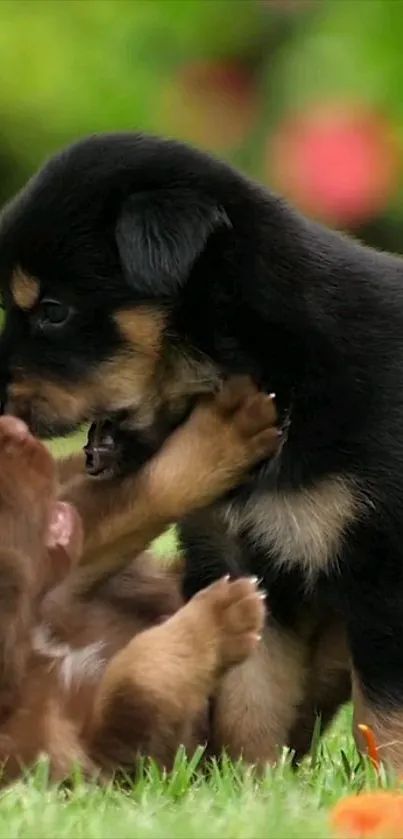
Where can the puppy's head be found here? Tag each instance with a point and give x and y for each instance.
(97, 255)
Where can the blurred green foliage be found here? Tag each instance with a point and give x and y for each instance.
(74, 67)
(71, 67)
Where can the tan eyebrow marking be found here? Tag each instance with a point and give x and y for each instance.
(24, 289)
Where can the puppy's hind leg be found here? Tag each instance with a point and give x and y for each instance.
(257, 703)
(156, 689)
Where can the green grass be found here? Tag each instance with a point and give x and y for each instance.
(227, 804)
(61, 447)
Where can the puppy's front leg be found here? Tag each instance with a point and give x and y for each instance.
(70, 468)
(224, 437)
(27, 486)
(154, 691)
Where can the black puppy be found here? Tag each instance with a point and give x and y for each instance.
(137, 273)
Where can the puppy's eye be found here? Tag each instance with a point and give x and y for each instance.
(51, 313)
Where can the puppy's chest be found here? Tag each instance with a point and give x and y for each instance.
(76, 666)
(306, 527)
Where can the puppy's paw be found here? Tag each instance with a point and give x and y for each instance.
(235, 612)
(27, 469)
(225, 436)
(252, 415)
(230, 433)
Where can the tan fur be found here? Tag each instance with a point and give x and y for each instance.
(24, 289)
(306, 526)
(132, 370)
(70, 468)
(187, 651)
(257, 702)
(76, 403)
(69, 402)
(143, 329)
(142, 376)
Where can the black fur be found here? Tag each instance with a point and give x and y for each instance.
(160, 234)
(254, 286)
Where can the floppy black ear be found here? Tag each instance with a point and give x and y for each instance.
(160, 234)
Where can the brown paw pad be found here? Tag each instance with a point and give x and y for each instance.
(239, 613)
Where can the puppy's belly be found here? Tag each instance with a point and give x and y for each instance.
(305, 526)
(75, 665)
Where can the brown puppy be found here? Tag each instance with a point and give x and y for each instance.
(98, 670)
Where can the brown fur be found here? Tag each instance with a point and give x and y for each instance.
(102, 672)
(137, 361)
(118, 517)
(307, 673)
(146, 373)
(156, 688)
(24, 289)
(309, 523)
(251, 720)
(276, 697)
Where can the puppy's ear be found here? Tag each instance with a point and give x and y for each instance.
(160, 234)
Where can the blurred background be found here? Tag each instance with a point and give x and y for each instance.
(305, 95)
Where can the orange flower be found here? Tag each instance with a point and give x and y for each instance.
(378, 815)
(370, 741)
